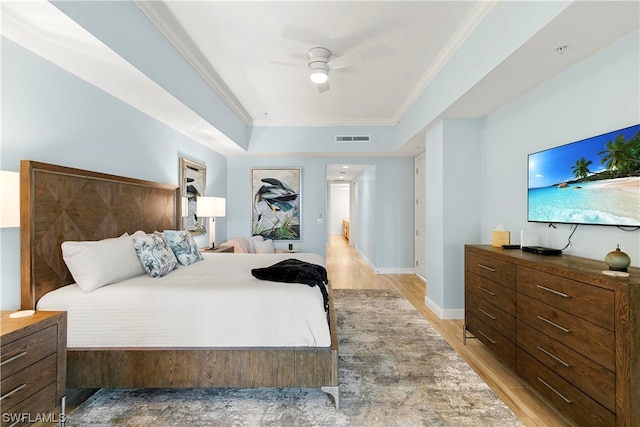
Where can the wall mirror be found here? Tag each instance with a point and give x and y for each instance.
(193, 177)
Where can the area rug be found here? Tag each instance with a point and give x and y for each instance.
(395, 370)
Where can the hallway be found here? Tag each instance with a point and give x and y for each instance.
(347, 269)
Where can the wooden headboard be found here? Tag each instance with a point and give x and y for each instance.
(58, 203)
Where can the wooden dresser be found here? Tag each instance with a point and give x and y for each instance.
(33, 362)
(345, 228)
(572, 333)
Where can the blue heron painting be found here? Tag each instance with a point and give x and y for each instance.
(276, 203)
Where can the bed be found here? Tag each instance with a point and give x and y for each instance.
(60, 204)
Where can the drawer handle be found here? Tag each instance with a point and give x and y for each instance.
(487, 314)
(15, 390)
(493, 294)
(490, 340)
(553, 291)
(562, 328)
(11, 359)
(555, 391)
(493, 270)
(553, 356)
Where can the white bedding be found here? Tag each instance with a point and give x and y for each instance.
(212, 303)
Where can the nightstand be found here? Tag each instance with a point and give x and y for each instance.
(219, 249)
(34, 367)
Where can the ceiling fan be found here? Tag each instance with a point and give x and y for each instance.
(320, 61)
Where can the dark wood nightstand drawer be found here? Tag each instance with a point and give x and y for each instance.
(490, 291)
(27, 382)
(28, 411)
(564, 396)
(34, 366)
(499, 320)
(497, 343)
(592, 341)
(501, 272)
(25, 351)
(580, 299)
(582, 372)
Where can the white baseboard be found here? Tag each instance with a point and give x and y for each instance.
(444, 314)
(390, 270)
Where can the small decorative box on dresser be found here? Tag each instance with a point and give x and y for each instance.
(572, 333)
(33, 367)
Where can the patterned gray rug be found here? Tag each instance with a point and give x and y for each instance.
(395, 370)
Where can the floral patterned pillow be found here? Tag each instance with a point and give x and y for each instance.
(156, 257)
(183, 246)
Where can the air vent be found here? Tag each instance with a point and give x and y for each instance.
(353, 138)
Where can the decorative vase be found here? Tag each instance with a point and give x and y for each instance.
(617, 260)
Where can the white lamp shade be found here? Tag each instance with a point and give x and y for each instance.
(10, 189)
(211, 207)
(185, 206)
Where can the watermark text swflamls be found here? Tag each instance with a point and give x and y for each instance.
(27, 417)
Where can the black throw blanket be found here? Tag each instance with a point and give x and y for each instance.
(295, 271)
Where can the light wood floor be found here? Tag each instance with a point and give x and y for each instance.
(348, 270)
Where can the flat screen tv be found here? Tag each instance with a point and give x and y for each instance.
(592, 181)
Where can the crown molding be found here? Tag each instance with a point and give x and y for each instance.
(160, 15)
(475, 17)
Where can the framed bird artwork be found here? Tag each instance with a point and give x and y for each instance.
(275, 204)
(193, 177)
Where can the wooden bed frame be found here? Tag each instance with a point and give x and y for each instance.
(59, 204)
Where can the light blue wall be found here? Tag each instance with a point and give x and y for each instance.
(51, 116)
(320, 139)
(366, 215)
(385, 216)
(598, 95)
(484, 49)
(452, 208)
(477, 169)
(123, 27)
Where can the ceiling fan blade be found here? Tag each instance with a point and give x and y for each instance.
(323, 87)
(369, 54)
(303, 35)
(286, 64)
(345, 61)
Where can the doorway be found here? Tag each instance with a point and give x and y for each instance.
(341, 201)
(420, 218)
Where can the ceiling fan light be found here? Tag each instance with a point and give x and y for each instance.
(319, 75)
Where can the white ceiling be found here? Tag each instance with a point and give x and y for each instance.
(258, 51)
(255, 53)
(252, 55)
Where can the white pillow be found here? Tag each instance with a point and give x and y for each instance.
(240, 245)
(264, 247)
(94, 264)
(252, 240)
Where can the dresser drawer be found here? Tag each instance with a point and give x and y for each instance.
(18, 354)
(19, 386)
(591, 303)
(490, 291)
(26, 411)
(564, 396)
(592, 341)
(495, 341)
(585, 374)
(499, 320)
(501, 272)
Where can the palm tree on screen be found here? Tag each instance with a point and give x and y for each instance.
(581, 168)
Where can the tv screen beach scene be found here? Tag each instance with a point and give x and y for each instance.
(592, 181)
